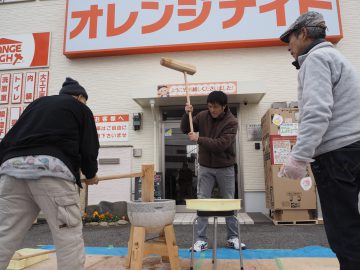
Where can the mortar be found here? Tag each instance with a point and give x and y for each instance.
(154, 216)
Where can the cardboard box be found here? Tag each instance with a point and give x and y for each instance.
(283, 193)
(293, 215)
(280, 122)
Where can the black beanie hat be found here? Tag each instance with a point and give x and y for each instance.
(73, 88)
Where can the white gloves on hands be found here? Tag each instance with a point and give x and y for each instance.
(293, 169)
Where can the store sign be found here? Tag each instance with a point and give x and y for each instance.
(3, 121)
(17, 90)
(4, 88)
(112, 128)
(24, 51)
(196, 89)
(15, 113)
(17, 86)
(108, 27)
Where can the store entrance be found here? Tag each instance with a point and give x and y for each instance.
(180, 160)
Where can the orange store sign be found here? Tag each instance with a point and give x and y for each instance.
(24, 51)
(109, 27)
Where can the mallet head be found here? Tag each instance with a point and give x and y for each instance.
(178, 65)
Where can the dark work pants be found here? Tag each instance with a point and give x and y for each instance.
(337, 176)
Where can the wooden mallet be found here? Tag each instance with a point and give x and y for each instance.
(186, 69)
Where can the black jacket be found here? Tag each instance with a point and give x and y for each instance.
(217, 137)
(58, 126)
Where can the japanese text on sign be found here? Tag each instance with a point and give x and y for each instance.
(3, 121)
(17, 85)
(281, 151)
(135, 24)
(15, 113)
(24, 51)
(16, 90)
(196, 89)
(112, 128)
(4, 88)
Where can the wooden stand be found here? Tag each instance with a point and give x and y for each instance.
(165, 246)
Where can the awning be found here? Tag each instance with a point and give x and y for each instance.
(248, 93)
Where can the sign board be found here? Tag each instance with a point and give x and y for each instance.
(281, 151)
(24, 51)
(196, 89)
(30, 82)
(112, 128)
(5, 80)
(3, 121)
(17, 90)
(109, 27)
(17, 86)
(15, 113)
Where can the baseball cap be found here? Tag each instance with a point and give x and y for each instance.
(308, 19)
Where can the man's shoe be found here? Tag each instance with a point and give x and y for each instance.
(200, 246)
(234, 243)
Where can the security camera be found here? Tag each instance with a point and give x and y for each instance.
(245, 103)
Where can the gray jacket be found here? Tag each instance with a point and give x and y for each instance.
(329, 102)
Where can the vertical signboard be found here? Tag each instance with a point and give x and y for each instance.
(5, 80)
(16, 88)
(3, 122)
(29, 92)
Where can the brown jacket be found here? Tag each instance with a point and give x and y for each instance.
(216, 138)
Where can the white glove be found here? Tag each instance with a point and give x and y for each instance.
(294, 169)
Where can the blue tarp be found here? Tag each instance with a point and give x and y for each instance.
(225, 253)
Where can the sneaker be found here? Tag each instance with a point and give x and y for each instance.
(200, 246)
(234, 243)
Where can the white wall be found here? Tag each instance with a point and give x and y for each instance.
(112, 81)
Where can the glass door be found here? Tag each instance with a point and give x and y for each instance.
(180, 165)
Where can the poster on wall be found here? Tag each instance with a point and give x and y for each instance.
(281, 151)
(4, 88)
(24, 51)
(43, 81)
(15, 113)
(16, 88)
(112, 128)
(3, 121)
(108, 27)
(196, 89)
(30, 82)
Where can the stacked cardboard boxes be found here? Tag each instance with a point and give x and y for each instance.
(288, 200)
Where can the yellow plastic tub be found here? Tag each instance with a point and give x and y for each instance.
(214, 204)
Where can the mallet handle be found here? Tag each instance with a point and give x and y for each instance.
(188, 101)
(117, 176)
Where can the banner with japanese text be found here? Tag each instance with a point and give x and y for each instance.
(15, 113)
(112, 128)
(110, 27)
(3, 121)
(24, 51)
(196, 89)
(17, 90)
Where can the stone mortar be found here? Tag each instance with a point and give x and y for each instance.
(151, 215)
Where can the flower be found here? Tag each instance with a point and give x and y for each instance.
(95, 214)
(100, 217)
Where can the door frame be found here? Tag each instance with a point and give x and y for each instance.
(239, 180)
(169, 124)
